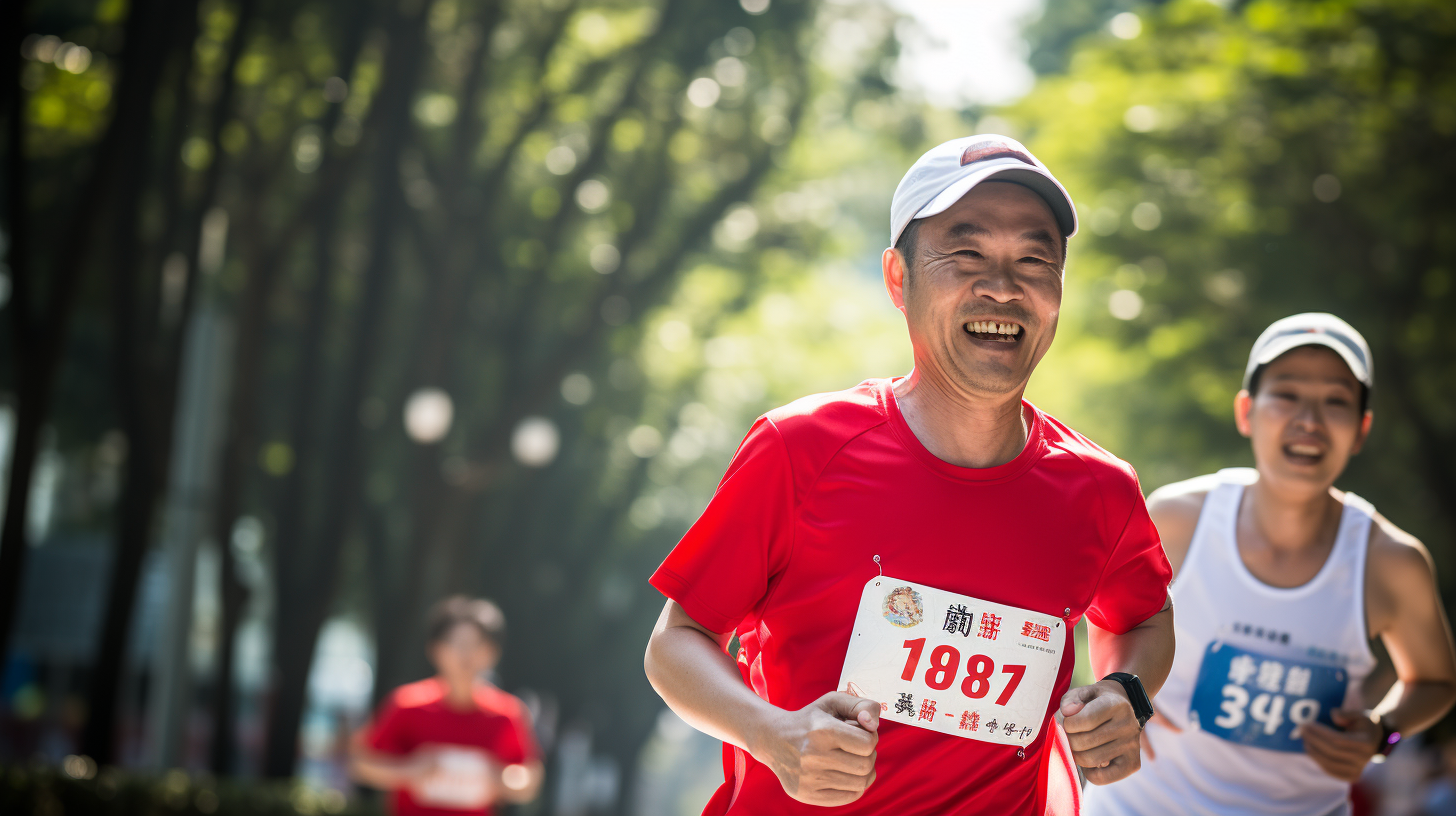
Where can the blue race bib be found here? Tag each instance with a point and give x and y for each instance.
(1252, 699)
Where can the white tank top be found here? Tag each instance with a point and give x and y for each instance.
(1252, 661)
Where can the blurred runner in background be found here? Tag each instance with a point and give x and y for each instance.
(902, 563)
(452, 744)
(1282, 579)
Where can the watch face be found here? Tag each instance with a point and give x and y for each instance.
(1389, 744)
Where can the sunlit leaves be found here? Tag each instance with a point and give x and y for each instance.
(1284, 145)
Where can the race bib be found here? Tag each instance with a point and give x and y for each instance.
(460, 781)
(954, 664)
(1252, 699)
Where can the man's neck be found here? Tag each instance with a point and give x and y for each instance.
(1292, 523)
(961, 428)
(459, 694)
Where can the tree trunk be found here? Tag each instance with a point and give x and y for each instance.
(237, 459)
(147, 378)
(306, 590)
(40, 330)
(34, 396)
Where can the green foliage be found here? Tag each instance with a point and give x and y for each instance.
(1234, 167)
(40, 791)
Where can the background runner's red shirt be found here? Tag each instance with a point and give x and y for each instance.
(820, 487)
(417, 714)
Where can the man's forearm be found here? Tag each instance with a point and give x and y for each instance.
(702, 684)
(1145, 650)
(376, 771)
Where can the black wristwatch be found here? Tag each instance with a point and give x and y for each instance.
(1142, 707)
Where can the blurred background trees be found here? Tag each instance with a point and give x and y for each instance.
(1234, 169)
(317, 311)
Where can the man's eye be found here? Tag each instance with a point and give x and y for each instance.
(1337, 401)
(970, 253)
(1284, 395)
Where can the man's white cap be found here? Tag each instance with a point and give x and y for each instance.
(948, 171)
(1313, 329)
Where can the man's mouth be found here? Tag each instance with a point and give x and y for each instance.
(994, 331)
(1304, 453)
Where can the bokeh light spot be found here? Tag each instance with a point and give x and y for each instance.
(428, 414)
(704, 92)
(1125, 26)
(1327, 188)
(1125, 304)
(535, 441)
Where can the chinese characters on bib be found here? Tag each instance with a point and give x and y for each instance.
(951, 663)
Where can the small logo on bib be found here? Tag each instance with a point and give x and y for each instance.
(904, 608)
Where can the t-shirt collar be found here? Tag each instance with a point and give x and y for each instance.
(1030, 453)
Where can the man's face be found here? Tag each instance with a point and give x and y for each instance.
(1304, 421)
(983, 299)
(464, 654)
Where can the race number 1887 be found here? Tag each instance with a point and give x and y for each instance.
(952, 663)
(945, 662)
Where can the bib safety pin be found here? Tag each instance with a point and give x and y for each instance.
(879, 566)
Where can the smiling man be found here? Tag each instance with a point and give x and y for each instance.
(1281, 581)
(902, 563)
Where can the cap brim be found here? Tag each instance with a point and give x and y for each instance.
(1283, 345)
(1040, 181)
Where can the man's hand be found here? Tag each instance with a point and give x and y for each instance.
(824, 753)
(1343, 754)
(1102, 730)
(421, 766)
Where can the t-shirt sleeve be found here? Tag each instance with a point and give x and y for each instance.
(722, 568)
(386, 732)
(1134, 583)
(518, 744)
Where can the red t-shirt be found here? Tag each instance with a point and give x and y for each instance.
(417, 714)
(821, 486)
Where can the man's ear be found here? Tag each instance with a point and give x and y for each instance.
(1243, 404)
(892, 264)
(1365, 423)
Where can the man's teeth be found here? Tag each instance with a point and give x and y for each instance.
(1304, 450)
(992, 327)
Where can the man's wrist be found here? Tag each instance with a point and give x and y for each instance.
(1113, 685)
(1135, 693)
(760, 728)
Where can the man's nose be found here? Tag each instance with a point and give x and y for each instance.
(998, 284)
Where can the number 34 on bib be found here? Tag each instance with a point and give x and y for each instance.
(952, 663)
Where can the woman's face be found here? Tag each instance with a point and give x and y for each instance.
(1304, 421)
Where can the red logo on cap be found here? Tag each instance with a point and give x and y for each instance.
(981, 151)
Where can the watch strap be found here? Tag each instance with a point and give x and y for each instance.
(1142, 705)
(1389, 738)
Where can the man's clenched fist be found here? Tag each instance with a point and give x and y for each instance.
(824, 753)
(1102, 730)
